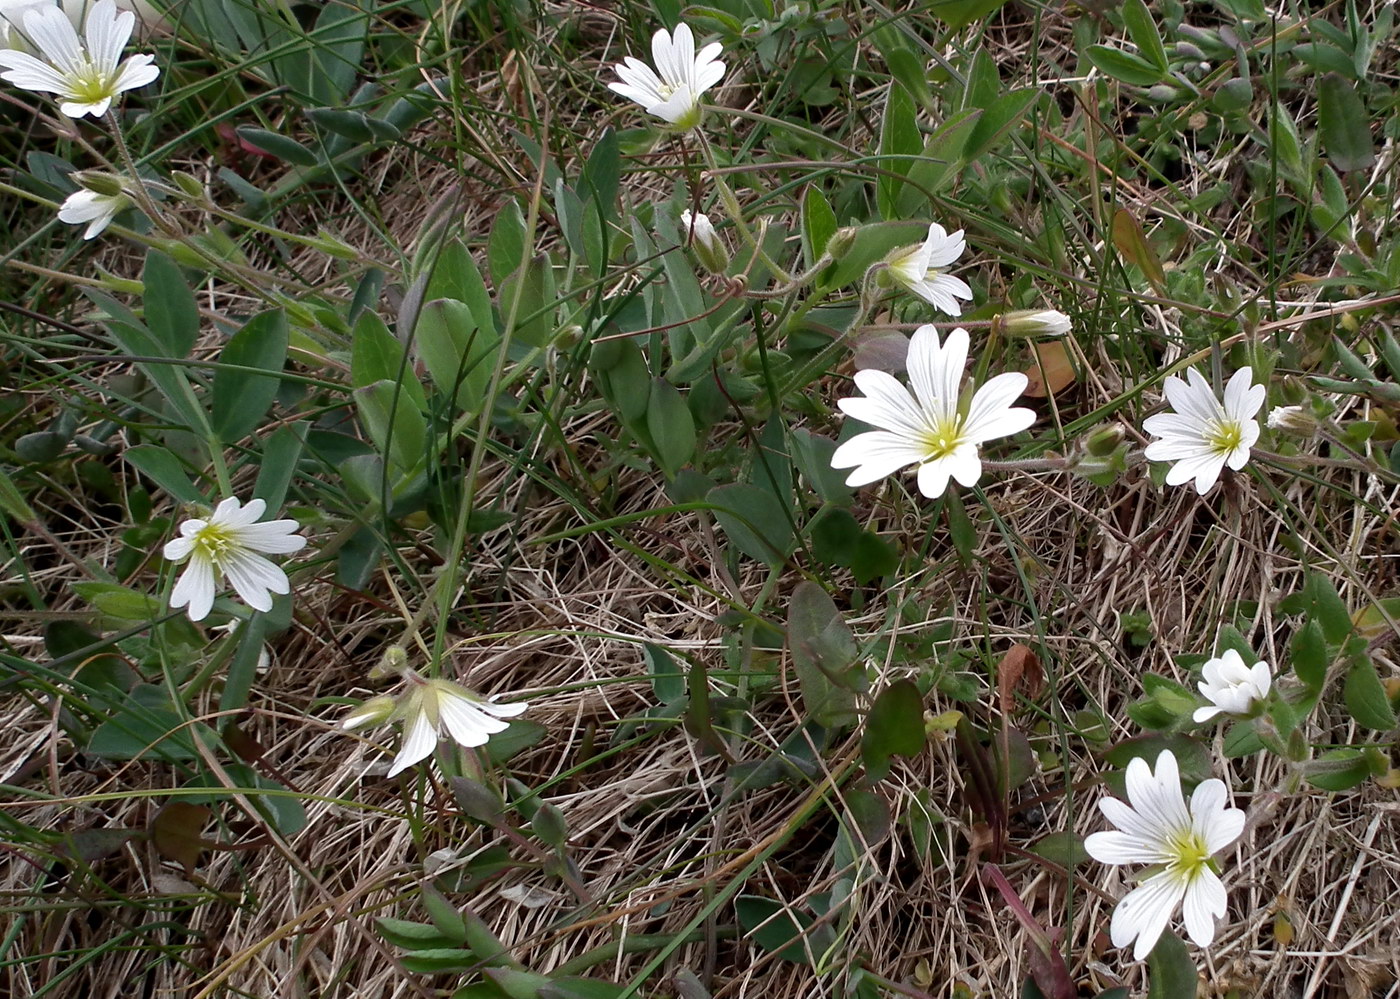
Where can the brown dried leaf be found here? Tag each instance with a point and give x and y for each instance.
(1019, 667)
(1051, 371)
(176, 830)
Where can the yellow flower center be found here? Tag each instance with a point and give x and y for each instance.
(943, 439)
(1191, 855)
(1224, 436)
(215, 541)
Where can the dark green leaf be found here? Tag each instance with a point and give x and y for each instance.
(779, 930)
(165, 470)
(1171, 974)
(241, 399)
(667, 678)
(1124, 66)
(1142, 29)
(824, 656)
(1309, 655)
(894, 726)
(1063, 848)
(171, 313)
(1344, 125)
(671, 426)
(1365, 697)
(754, 521)
(282, 147)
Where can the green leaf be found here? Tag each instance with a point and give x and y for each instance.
(1344, 126)
(818, 224)
(754, 521)
(241, 399)
(1241, 740)
(1309, 655)
(116, 601)
(1171, 974)
(505, 250)
(459, 355)
(169, 379)
(284, 148)
(779, 930)
(598, 183)
(872, 243)
(529, 295)
(414, 936)
(1328, 609)
(171, 313)
(671, 427)
(1365, 697)
(12, 501)
(997, 119)
(1142, 29)
(1063, 848)
(811, 454)
(667, 677)
(353, 125)
(393, 423)
(436, 961)
(1124, 66)
(958, 14)
(900, 142)
(1338, 770)
(894, 726)
(824, 655)
(147, 727)
(164, 469)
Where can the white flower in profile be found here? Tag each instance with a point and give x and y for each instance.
(86, 73)
(929, 427)
(97, 210)
(1036, 322)
(429, 707)
(1158, 828)
(919, 268)
(230, 543)
(709, 248)
(1202, 436)
(672, 92)
(1232, 687)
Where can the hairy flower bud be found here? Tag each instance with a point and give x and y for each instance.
(1294, 420)
(1035, 322)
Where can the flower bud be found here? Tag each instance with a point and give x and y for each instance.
(100, 182)
(1294, 420)
(1103, 440)
(568, 337)
(392, 661)
(709, 248)
(1035, 322)
(371, 712)
(840, 242)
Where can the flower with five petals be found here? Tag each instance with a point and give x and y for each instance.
(929, 427)
(230, 543)
(1203, 435)
(1157, 827)
(672, 91)
(86, 73)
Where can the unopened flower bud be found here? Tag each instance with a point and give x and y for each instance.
(392, 661)
(568, 337)
(371, 712)
(1295, 420)
(1103, 440)
(840, 242)
(1035, 322)
(709, 248)
(100, 182)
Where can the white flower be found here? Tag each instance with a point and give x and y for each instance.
(709, 248)
(928, 428)
(1032, 322)
(1295, 420)
(97, 210)
(1158, 828)
(430, 706)
(228, 544)
(1232, 687)
(674, 94)
(86, 77)
(1202, 436)
(918, 268)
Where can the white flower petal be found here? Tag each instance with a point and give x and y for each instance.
(1203, 901)
(1144, 913)
(195, 588)
(418, 741)
(467, 724)
(933, 477)
(875, 455)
